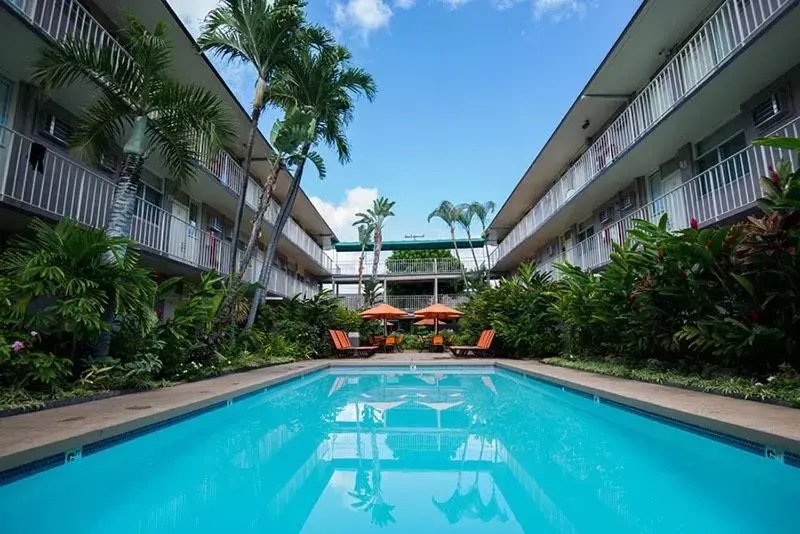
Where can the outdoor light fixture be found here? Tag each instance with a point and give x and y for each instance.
(586, 124)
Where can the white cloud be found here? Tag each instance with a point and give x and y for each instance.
(404, 4)
(455, 4)
(365, 16)
(502, 5)
(340, 217)
(558, 9)
(192, 12)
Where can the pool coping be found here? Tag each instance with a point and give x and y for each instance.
(39, 440)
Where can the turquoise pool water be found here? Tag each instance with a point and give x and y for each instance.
(471, 450)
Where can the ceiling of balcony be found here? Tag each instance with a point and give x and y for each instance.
(638, 54)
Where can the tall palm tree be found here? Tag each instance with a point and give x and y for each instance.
(364, 239)
(375, 217)
(266, 34)
(464, 220)
(482, 211)
(136, 91)
(321, 81)
(450, 213)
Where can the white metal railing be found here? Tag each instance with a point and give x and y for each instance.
(732, 25)
(726, 188)
(401, 267)
(280, 282)
(65, 19)
(409, 303)
(53, 183)
(36, 177)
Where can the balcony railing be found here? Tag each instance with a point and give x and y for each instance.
(64, 19)
(409, 303)
(727, 188)
(730, 27)
(51, 183)
(401, 267)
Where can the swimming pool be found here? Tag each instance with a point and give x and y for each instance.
(467, 450)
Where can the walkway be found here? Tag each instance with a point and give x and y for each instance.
(33, 436)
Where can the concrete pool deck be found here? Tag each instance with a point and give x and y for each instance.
(33, 436)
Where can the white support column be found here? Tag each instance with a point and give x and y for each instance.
(385, 291)
(436, 290)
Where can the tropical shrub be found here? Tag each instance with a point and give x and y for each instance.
(304, 322)
(521, 312)
(346, 320)
(59, 282)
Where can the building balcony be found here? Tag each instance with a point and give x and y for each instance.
(65, 19)
(400, 268)
(717, 194)
(732, 26)
(47, 183)
(409, 303)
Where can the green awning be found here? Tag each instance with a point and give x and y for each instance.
(438, 244)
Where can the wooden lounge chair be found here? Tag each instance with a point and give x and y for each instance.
(437, 343)
(481, 349)
(342, 345)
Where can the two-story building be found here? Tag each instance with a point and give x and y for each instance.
(181, 231)
(665, 125)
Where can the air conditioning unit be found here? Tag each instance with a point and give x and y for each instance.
(771, 108)
(626, 200)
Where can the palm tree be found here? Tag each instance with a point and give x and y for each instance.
(482, 212)
(450, 213)
(375, 217)
(136, 91)
(266, 34)
(320, 81)
(364, 239)
(464, 219)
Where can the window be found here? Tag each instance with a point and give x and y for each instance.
(605, 215)
(725, 170)
(626, 200)
(148, 210)
(585, 230)
(109, 163)
(56, 129)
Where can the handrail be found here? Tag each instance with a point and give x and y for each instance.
(53, 183)
(728, 29)
(715, 194)
(61, 19)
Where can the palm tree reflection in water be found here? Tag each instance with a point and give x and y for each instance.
(367, 493)
(470, 504)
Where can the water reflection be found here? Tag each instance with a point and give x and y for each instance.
(401, 451)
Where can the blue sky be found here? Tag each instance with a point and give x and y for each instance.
(468, 93)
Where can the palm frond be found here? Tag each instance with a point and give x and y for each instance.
(99, 127)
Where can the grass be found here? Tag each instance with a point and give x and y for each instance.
(783, 388)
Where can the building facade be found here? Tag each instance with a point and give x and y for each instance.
(183, 230)
(665, 126)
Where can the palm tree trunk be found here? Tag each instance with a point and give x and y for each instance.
(361, 270)
(226, 308)
(277, 231)
(248, 161)
(458, 256)
(376, 257)
(263, 203)
(120, 218)
(474, 257)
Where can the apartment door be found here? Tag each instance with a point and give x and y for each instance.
(179, 230)
(674, 200)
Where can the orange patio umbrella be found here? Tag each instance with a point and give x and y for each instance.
(438, 311)
(429, 322)
(385, 312)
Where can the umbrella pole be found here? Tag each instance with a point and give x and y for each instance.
(385, 328)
